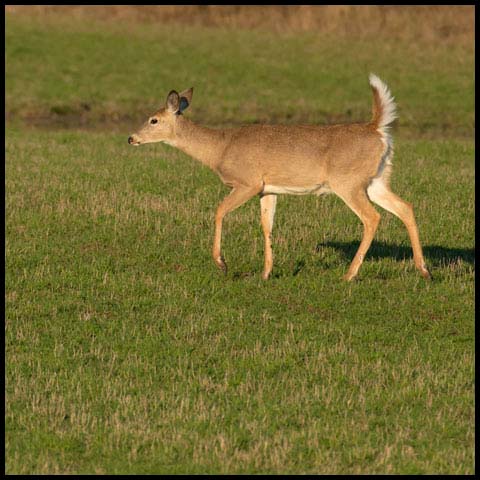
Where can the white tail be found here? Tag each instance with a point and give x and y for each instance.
(384, 105)
(351, 160)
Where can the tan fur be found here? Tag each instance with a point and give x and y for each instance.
(268, 159)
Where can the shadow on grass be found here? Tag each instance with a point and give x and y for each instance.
(434, 254)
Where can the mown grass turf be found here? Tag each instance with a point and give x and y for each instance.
(127, 352)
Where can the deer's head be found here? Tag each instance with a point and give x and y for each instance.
(160, 127)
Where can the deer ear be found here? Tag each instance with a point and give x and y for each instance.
(173, 102)
(185, 99)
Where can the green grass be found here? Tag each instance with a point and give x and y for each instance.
(115, 72)
(126, 350)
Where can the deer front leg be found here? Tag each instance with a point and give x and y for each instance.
(238, 196)
(267, 206)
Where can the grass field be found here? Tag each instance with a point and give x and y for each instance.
(126, 350)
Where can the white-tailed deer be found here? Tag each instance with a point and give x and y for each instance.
(351, 160)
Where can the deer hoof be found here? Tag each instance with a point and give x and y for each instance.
(220, 261)
(426, 274)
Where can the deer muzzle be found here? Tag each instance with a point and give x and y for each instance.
(132, 140)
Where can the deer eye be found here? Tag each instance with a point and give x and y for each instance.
(153, 121)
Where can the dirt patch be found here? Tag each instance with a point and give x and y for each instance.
(433, 23)
(126, 124)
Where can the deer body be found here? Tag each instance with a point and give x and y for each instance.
(352, 160)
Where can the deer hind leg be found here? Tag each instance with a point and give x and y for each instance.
(358, 201)
(267, 207)
(238, 196)
(379, 193)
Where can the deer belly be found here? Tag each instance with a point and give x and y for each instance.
(315, 189)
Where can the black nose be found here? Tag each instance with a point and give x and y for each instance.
(130, 140)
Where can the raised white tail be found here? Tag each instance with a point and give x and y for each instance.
(384, 108)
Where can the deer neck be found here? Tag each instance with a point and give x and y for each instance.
(204, 144)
